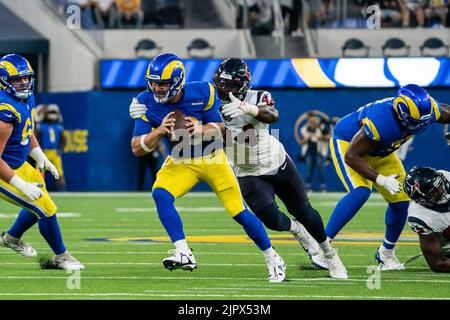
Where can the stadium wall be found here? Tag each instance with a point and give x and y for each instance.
(98, 155)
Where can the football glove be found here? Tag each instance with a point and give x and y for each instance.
(238, 108)
(43, 163)
(137, 110)
(390, 183)
(30, 189)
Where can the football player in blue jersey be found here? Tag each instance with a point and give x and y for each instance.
(362, 147)
(20, 183)
(50, 134)
(195, 162)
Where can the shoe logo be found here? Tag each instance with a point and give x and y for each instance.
(284, 166)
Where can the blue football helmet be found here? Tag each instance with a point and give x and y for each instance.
(166, 68)
(415, 108)
(14, 66)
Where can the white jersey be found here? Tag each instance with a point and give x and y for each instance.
(253, 151)
(426, 221)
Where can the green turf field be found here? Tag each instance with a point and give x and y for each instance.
(121, 242)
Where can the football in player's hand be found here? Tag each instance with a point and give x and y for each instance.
(180, 124)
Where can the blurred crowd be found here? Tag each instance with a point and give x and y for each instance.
(411, 13)
(101, 14)
(261, 15)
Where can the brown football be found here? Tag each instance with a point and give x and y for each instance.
(180, 124)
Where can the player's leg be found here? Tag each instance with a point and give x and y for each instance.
(173, 181)
(290, 189)
(396, 213)
(358, 189)
(259, 195)
(13, 237)
(43, 208)
(220, 177)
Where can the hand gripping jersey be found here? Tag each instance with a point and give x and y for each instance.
(252, 150)
(199, 101)
(20, 114)
(432, 220)
(380, 123)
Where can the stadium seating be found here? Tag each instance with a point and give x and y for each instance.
(355, 48)
(434, 47)
(395, 47)
(147, 48)
(200, 48)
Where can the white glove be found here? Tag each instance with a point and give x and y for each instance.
(390, 183)
(137, 110)
(30, 189)
(238, 108)
(43, 163)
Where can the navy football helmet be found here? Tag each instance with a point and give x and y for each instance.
(232, 75)
(427, 186)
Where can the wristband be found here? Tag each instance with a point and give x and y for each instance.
(17, 182)
(37, 154)
(143, 146)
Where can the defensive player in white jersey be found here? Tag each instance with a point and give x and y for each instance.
(429, 214)
(263, 167)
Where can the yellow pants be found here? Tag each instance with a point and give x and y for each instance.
(42, 207)
(179, 176)
(55, 158)
(386, 166)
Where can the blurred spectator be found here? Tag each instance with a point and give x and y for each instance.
(318, 15)
(105, 13)
(390, 11)
(150, 161)
(293, 8)
(260, 16)
(86, 9)
(50, 134)
(314, 143)
(436, 13)
(415, 9)
(129, 13)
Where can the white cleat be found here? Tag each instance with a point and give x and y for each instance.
(277, 269)
(387, 259)
(180, 260)
(310, 245)
(335, 265)
(67, 262)
(18, 245)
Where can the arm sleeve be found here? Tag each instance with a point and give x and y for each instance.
(8, 113)
(141, 127)
(370, 129)
(211, 110)
(419, 226)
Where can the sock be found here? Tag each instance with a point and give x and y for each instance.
(345, 210)
(254, 229)
(168, 215)
(25, 220)
(181, 245)
(269, 253)
(326, 247)
(293, 228)
(396, 215)
(51, 232)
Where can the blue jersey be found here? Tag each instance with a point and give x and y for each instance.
(199, 101)
(20, 115)
(380, 123)
(50, 135)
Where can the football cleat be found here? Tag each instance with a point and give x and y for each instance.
(67, 262)
(335, 265)
(310, 245)
(387, 259)
(180, 260)
(277, 269)
(19, 246)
